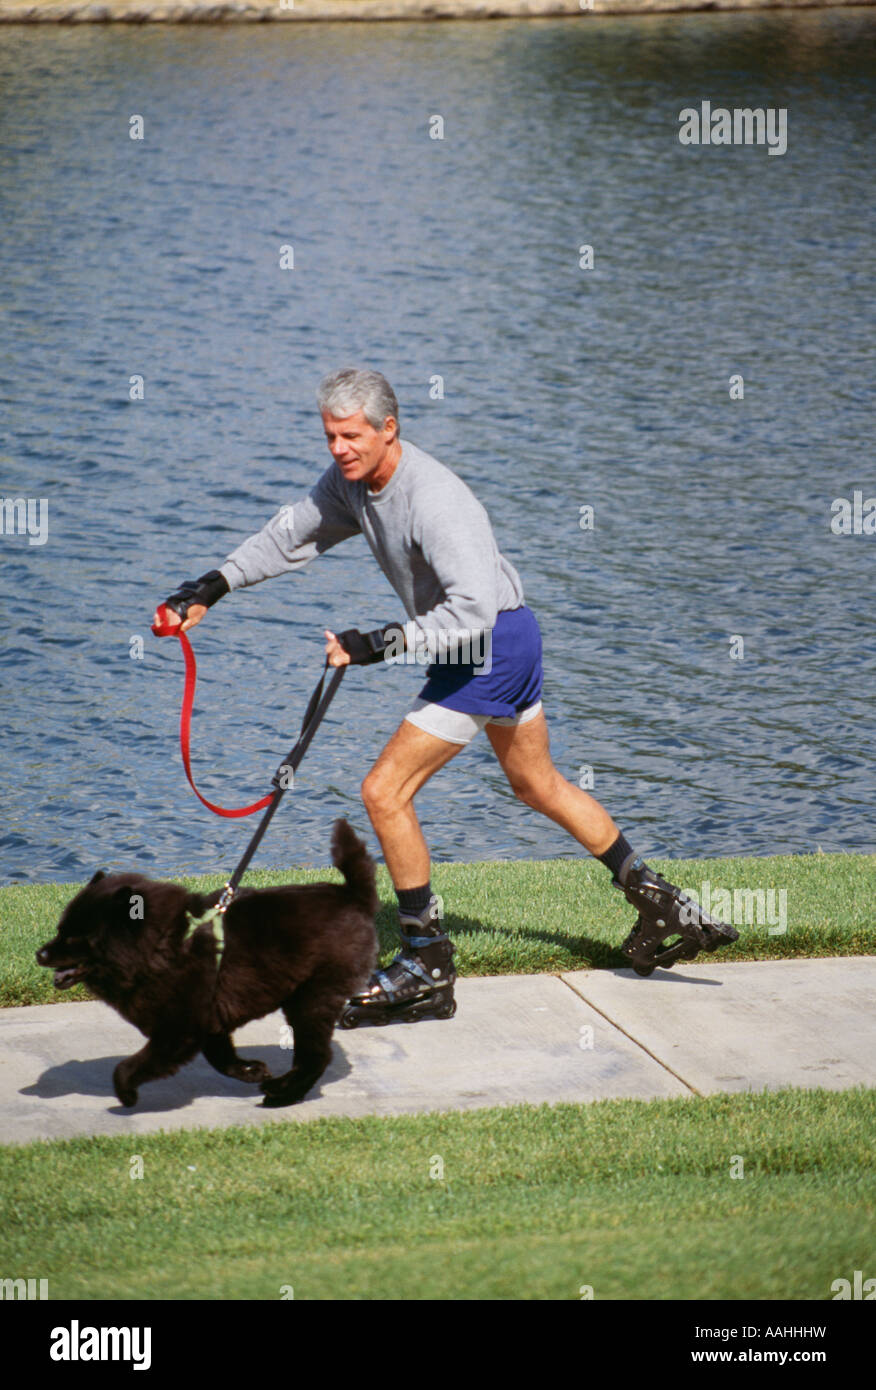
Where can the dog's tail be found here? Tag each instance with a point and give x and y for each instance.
(355, 863)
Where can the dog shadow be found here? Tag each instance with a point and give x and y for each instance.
(197, 1080)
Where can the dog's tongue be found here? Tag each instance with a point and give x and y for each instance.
(65, 978)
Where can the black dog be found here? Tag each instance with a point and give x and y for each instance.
(139, 945)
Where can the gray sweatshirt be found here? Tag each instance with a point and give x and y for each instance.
(429, 534)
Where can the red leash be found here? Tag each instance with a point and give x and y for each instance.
(163, 628)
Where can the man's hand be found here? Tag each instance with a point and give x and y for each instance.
(361, 648)
(335, 654)
(193, 617)
(191, 600)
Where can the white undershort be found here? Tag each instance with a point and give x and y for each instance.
(455, 727)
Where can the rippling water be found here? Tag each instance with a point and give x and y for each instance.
(563, 388)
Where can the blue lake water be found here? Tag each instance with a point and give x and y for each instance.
(563, 388)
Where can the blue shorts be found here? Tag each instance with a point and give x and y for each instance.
(504, 686)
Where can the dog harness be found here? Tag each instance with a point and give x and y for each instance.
(214, 920)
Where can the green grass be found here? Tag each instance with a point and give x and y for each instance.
(632, 1198)
(524, 917)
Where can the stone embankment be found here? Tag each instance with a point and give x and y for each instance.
(254, 11)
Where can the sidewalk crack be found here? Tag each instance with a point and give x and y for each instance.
(615, 1024)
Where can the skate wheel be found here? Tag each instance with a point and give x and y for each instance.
(349, 1021)
(644, 970)
(447, 1011)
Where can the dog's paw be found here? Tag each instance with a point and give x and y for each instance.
(278, 1099)
(280, 1090)
(271, 1084)
(125, 1092)
(251, 1071)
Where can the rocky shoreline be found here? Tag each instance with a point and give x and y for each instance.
(254, 11)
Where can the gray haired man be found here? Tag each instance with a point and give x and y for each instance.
(434, 542)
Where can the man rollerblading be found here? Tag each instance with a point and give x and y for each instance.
(465, 607)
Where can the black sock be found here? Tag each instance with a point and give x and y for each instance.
(413, 901)
(616, 854)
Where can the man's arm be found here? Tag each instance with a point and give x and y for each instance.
(289, 541)
(294, 536)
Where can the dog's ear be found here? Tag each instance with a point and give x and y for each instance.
(128, 903)
(124, 907)
(97, 877)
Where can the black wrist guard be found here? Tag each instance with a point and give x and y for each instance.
(206, 590)
(365, 647)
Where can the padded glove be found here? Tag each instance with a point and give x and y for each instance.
(365, 647)
(206, 590)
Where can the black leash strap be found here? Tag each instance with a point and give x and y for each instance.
(313, 717)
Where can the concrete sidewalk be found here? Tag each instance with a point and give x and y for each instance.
(587, 1035)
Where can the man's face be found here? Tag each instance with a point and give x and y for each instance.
(356, 446)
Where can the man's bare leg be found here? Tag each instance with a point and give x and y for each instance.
(407, 762)
(419, 982)
(412, 756)
(524, 754)
(669, 927)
